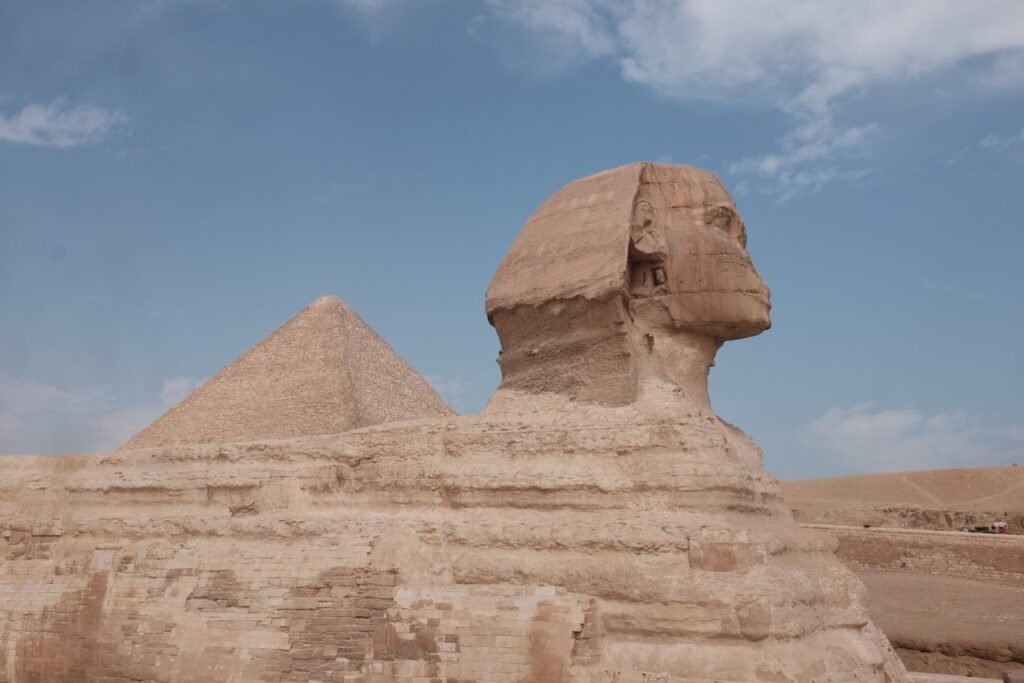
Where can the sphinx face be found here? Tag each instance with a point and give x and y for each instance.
(690, 270)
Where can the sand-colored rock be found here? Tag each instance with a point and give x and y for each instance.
(323, 372)
(598, 524)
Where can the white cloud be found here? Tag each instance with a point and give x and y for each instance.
(894, 440)
(22, 404)
(944, 288)
(1007, 72)
(175, 390)
(42, 418)
(457, 392)
(115, 427)
(798, 168)
(802, 56)
(813, 141)
(368, 5)
(572, 31)
(993, 140)
(802, 53)
(57, 125)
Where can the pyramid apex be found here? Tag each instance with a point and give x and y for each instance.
(329, 301)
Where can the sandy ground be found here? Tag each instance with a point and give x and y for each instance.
(973, 628)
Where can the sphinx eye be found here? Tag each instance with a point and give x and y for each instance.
(721, 217)
(726, 220)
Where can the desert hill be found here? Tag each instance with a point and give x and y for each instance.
(927, 499)
(937, 621)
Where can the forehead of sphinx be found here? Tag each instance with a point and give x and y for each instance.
(576, 244)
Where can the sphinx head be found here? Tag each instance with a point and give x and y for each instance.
(633, 275)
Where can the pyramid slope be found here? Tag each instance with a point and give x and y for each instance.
(325, 371)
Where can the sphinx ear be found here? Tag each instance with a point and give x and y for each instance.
(646, 243)
(645, 263)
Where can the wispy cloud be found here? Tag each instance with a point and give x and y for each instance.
(115, 427)
(807, 158)
(943, 288)
(1007, 72)
(369, 6)
(58, 125)
(804, 57)
(563, 33)
(993, 140)
(870, 440)
(801, 54)
(989, 142)
(457, 392)
(37, 417)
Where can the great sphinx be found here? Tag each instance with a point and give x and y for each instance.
(596, 522)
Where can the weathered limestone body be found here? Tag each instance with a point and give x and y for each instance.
(596, 523)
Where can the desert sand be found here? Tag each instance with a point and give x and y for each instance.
(950, 602)
(949, 625)
(929, 499)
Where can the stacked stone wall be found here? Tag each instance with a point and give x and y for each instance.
(207, 610)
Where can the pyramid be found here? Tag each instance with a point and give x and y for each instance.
(324, 371)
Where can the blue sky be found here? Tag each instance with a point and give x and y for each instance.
(178, 178)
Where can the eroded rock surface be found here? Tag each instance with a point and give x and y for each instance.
(596, 523)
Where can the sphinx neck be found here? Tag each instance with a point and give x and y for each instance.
(673, 367)
(600, 353)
